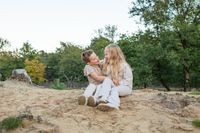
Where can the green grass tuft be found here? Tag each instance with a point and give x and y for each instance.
(195, 93)
(196, 123)
(10, 123)
(58, 85)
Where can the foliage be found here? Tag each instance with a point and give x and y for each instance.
(52, 66)
(10, 123)
(109, 32)
(27, 51)
(9, 61)
(196, 123)
(70, 63)
(35, 69)
(195, 93)
(3, 43)
(98, 44)
(174, 27)
(58, 85)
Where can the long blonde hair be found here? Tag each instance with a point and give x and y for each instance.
(113, 66)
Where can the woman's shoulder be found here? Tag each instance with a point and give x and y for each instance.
(126, 66)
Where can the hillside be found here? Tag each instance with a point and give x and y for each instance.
(54, 111)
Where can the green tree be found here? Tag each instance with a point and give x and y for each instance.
(27, 51)
(180, 17)
(70, 63)
(98, 44)
(3, 43)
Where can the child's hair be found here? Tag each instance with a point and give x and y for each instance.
(115, 61)
(86, 55)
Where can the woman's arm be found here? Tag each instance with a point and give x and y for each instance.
(127, 76)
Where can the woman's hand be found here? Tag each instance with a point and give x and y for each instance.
(115, 81)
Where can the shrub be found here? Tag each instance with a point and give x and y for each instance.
(10, 123)
(58, 85)
(36, 70)
(196, 123)
(195, 93)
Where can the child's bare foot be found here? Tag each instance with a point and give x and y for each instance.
(82, 100)
(91, 101)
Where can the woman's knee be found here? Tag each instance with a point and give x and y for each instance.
(125, 92)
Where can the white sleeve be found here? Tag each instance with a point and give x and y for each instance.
(127, 78)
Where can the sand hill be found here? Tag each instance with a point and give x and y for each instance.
(54, 111)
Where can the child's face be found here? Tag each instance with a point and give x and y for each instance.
(107, 55)
(94, 59)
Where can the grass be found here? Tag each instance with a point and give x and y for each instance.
(196, 123)
(58, 85)
(10, 123)
(195, 93)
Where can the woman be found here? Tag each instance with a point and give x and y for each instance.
(120, 79)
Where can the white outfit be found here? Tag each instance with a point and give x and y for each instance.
(111, 93)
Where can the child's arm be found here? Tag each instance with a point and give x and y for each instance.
(97, 77)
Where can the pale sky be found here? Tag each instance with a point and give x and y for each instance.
(44, 23)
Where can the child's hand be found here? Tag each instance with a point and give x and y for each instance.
(115, 81)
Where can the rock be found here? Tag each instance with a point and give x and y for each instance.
(21, 75)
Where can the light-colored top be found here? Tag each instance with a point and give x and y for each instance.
(88, 70)
(126, 75)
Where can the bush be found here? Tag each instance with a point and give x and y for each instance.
(36, 70)
(58, 85)
(196, 123)
(195, 93)
(10, 123)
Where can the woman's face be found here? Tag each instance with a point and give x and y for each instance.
(94, 59)
(107, 55)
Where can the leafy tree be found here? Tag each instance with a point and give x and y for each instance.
(181, 17)
(52, 66)
(70, 63)
(98, 44)
(27, 51)
(9, 61)
(109, 32)
(3, 43)
(36, 70)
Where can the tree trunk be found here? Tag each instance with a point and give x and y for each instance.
(186, 75)
(145, 85)
(160, 77)
(185, 65)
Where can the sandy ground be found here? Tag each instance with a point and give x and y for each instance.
(54, 111)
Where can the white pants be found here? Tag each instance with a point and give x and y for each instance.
(108, 91)
(90, 90)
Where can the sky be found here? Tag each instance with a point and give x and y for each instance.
(44, 23)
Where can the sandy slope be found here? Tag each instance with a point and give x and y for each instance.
(145, 111)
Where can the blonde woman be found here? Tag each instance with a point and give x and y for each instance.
(120, 79)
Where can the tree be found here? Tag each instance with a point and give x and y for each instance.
(35, 69)
(98, 44)
(109, 32)
(181, 17)
(27, 51)
(3, 43)
(70, 63)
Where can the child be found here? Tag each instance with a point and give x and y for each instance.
(93, 72)
(120, 72)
